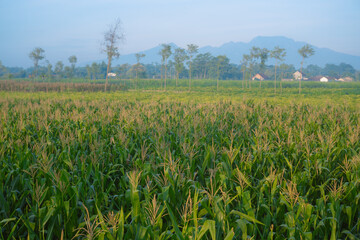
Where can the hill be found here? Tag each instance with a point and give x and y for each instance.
(235, 50)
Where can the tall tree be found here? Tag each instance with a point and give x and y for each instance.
(49, 70)
(112, 38)
(88, 71)
(220, 64)
(95, 69)
(139, 56)
(305, 52)
(262, 54)
(278, 54)
(244, 64)
(138, 66)
(67, 71)
(59, 68)
(192, 50)
(283, 68)
(72, 60)
(36, 55)
(2, 69)
(179, 58)
(165, 54)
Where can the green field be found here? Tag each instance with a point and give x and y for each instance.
(237, 163)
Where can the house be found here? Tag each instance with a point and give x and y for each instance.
(299, 75)
(110, 74)
(260, 76)
(320, 78)
(345, 79)
(324, 79)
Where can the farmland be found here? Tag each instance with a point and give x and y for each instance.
(148, 164)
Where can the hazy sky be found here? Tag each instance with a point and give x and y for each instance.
(75, 27)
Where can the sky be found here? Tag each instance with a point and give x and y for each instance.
(76, 27)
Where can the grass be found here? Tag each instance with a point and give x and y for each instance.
(147, 164)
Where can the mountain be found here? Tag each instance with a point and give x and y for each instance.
(235, 50)
(151, 56)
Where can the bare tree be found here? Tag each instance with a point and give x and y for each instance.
(305, 52)
(112, 38)
(36, 55)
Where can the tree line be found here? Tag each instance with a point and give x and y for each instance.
(204, 66)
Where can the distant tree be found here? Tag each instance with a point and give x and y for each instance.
(244, 64)
(341, 70)
(313, 70)
(59, 68)
(138, 66)
(305, 52)
(112, 39)
(139, 56)
(3, 69)
(251, 66)
(135, 71)
(36, 55)
(283, 68)
(278, 54)
(72, 60)
(122, 70)
(88, 71)
(49, 70)
(67, 71)
(192, 50)
(179, 58)
(262, 54)
(165, 54)
(203, 64)
(95, 69)
(220, 64)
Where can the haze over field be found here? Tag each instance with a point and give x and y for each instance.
(65, 28)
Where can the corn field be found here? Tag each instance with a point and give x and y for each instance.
(108, 168)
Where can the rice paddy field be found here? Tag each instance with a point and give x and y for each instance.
(147, 164)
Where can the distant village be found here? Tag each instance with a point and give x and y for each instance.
(298, 75)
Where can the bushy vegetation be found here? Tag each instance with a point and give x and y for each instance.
(170, 165)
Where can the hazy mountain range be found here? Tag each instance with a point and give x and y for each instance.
(235, 50)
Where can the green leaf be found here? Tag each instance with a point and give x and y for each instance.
(230, 235)
(209, 225)
(13, 229)
(5, 221)
(247, 217)
(173, 220)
